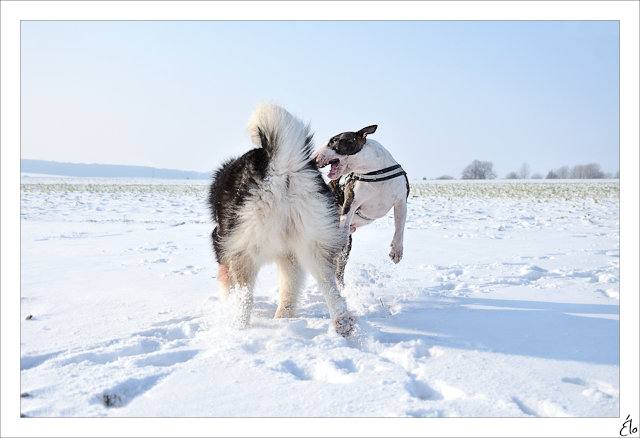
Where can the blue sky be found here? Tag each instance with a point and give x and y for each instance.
(177, 94)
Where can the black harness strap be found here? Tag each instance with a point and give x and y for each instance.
(375, 176)
(379, 175)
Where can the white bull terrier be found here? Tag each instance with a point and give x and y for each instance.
(365, 180)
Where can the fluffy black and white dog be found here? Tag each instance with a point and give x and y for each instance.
(271, 204)
(367, 182)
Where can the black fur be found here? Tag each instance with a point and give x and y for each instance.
(350, 143)
(407, 180)
(231, 187)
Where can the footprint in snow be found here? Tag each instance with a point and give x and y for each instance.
(593, 388)
(330, 371)
(410, 355)
(145, 262)
(422, 391)
(152, 353)
(124, 392)
(187, 270)
(290, 367)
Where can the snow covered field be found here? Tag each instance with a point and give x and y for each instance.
(506, 304)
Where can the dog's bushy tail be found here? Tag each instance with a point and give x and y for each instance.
(285, 138)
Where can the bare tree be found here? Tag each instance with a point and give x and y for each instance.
(512, 175)
(524, 171)
(479, 170)
(563, 172)
(587, 171)
(445, 177)
(552, 175)
(536, 175)
(617, 175)
(592, 171)
(577, 172)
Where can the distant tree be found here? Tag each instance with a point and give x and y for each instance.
(536, 175)
(577, 172)
(592, 170)
(524, 171)
(587, 171)
(617, 175)
(479, 170)
(552, 175)
(563, 172)
(512, 175)
(424, 178)
(445, 177)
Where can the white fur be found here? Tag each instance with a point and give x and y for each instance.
(286, 221)
(292, 134)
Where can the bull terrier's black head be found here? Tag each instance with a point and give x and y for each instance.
(349, 143)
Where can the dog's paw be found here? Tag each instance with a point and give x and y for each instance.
(285, 312)
(344, 325)
(395, 255)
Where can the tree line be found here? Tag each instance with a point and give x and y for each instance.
(484, 170)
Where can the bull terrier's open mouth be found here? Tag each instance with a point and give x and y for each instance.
(335, 169)
(334, 172)
(332, 162)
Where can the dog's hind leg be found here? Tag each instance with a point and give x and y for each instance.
(341, 264)
(291, 276)
(242, 276)
(223, 282)
(223, 268)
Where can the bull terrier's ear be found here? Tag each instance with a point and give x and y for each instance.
(368, 130)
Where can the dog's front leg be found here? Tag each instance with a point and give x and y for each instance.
(351, 204)
(341, 264)
(314, 259)
(341, 260)
(400, 217)
(345, 221)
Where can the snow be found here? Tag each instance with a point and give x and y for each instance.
(506, 304)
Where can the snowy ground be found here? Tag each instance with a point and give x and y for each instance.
(506, 304)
